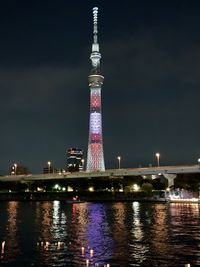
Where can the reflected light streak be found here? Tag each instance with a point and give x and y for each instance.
(10, 248)
(56, 207)
(139, 249)
(53, 231)
(96, 230)
(120, 231)
(160, 230)
(119, 222)
(3, 247)
(177, 209)
(46, 220)
(137, 231)
(44, 215)
(90, 230)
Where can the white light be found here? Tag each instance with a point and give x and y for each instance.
(95, 122)
(70, 189)
(2, 247)
(82, 250)
(119, 161)
(91, 252)
(136, 187)
(91, 189)
(158, 158)
(56, 186)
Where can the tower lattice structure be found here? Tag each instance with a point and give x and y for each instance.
(95, 156)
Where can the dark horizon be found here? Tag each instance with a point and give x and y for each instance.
(150, 96)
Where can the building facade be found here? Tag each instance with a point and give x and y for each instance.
(75, 161)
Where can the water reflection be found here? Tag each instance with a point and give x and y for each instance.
(45, 218)
(185, 228)
(53, 231)
(91, 234)
(137, 224)
(119, 228)
(86, 234)
(159, 233)
(138, 245)
(98, 234)
(9, 246)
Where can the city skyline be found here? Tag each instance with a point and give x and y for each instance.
(151, 93)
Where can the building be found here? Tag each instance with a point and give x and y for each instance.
(75, 161)
(95, 155)
(17, 169)
(48, 168)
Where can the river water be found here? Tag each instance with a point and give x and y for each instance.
(60, 234)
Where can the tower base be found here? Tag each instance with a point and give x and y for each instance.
(95, 158)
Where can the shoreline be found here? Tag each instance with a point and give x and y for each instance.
(81, 196)
(88, 197)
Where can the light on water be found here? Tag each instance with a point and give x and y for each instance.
(2, 247)
(60, 234)
(87, 262)
(91, 252)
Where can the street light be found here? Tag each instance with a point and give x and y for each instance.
(83, 161)
(199, 162)
(119, 161)
(49, 166)
(15, 170)
(158, 159)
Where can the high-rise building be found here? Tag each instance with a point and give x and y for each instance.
(75, 161)
(95, 156)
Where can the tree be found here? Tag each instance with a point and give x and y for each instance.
(147, 187)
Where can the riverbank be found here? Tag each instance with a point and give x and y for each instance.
(83, 196)
(88, 197)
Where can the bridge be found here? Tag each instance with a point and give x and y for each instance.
(170, 173)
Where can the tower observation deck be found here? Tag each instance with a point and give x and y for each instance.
(95, 156)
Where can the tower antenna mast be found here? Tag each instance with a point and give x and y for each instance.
(95, 24)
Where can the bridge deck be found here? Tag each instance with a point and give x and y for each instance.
(116, 173)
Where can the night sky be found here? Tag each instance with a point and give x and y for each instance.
(151, 93)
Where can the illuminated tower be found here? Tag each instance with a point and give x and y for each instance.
(95, 157)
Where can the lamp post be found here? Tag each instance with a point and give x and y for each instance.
(119, 162)
(199, 162)
(15, 170)
(158, 159)
(49, 166)
(83, 161)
